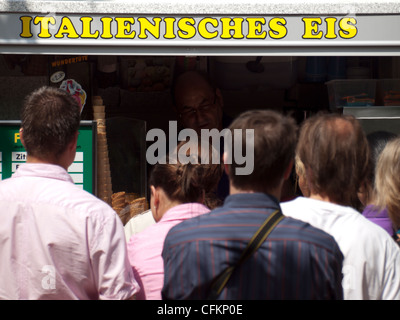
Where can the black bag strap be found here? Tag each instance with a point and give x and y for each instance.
(253, 245)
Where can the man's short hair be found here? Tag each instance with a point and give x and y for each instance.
(275, 137)
(334, 150)
(50, 118)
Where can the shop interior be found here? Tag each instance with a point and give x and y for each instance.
(135, 92)
(138, 86)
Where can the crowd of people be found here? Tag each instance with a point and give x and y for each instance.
(210, 233)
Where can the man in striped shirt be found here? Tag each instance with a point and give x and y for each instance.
(296, 261)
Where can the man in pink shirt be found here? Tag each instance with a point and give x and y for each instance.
(56, 240)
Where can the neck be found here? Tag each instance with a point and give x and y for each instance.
(163, 206)
(60, 162)
(170, 204)
(319, 197)
(371, 199)
(273, 192)
(325, 198)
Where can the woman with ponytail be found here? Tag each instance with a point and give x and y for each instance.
(181, 189)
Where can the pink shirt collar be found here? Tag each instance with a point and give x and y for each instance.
(184, 211)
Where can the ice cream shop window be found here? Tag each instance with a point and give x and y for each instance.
(126, 96)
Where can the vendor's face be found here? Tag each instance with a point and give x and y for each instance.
(199, 107)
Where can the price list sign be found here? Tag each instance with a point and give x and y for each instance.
(82, 170)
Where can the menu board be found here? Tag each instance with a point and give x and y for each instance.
(82, 170)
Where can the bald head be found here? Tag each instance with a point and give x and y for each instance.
(341, 127)
(197, 103)
(192, 79)
(334, 150)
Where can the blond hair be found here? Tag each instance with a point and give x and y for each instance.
(299, 166)
(301, 177)
(387, 181)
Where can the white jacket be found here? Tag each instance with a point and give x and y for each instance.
(371, 266)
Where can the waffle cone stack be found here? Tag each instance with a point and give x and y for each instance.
(127, 205)
(104, 186)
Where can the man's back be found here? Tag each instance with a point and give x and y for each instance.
(371, 257)
(297, 261)
(57, 241)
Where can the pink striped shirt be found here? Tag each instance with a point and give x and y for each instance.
(144, 249)
(58, 241)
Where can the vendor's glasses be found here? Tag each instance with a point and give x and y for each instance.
(190, 112)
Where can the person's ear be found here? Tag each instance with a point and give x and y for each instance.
(21, 136)
(202, 198)
(155, 195)
(288, 170)
(73, 144)
(309, 179)
(156, 199)
(226, 165)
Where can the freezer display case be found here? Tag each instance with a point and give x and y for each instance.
(377, 118)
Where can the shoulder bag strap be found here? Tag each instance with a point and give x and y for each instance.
(253, 245)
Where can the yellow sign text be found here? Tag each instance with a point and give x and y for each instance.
(16, 137)
(156, 27)
(346, 26)
(186, 27)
